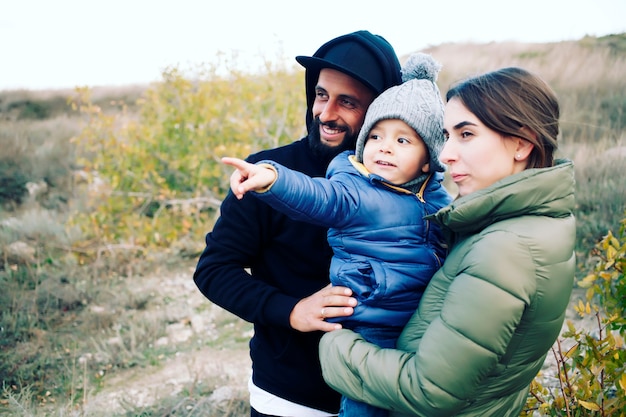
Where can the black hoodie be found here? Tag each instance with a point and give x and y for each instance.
(288, 260)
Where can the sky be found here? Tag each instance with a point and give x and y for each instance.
(58, 44)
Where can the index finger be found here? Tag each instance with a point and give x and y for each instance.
(235, 162)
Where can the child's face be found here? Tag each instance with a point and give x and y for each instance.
(395, 151)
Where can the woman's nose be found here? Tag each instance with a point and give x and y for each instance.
(448, 153)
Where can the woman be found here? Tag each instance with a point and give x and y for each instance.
(491, 313)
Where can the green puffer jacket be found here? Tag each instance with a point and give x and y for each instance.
(489, 315)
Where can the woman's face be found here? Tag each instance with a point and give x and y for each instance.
(476, 155)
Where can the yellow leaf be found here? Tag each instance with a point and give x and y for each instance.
(590, 277)
(589, 405)
(587, 281)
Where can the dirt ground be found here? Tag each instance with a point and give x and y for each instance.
(193, 318)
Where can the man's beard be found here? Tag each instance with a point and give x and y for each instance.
(325, 152)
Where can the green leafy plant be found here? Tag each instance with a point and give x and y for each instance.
(591, 362)
(154, 176)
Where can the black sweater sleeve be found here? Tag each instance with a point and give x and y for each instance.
(258, 263)
(237, 244)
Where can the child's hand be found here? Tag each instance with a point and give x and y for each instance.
(248, 177)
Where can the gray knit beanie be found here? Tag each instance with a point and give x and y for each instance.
(417, 102)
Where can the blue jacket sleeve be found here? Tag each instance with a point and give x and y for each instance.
(327, 202)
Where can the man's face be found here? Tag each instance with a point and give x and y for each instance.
(338, 110)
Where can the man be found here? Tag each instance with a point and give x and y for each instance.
(287, 294)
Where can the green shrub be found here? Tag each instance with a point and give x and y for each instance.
(27, 106)
(160, 172)
(591, 363)
(31, 109)
(13, 180)
(40, 153)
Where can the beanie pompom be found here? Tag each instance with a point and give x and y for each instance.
(420, 66)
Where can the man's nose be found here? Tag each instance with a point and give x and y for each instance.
(329, 112)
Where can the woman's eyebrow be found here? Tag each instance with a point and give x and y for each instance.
(463, 124)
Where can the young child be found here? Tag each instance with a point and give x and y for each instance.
(373, 201)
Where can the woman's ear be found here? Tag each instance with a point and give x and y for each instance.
(523, 147)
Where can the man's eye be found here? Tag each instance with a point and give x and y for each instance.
(348, 103)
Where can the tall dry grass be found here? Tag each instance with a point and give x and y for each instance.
(565, 65)
(588, 78)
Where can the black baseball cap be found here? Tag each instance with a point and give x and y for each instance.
(362, 55)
